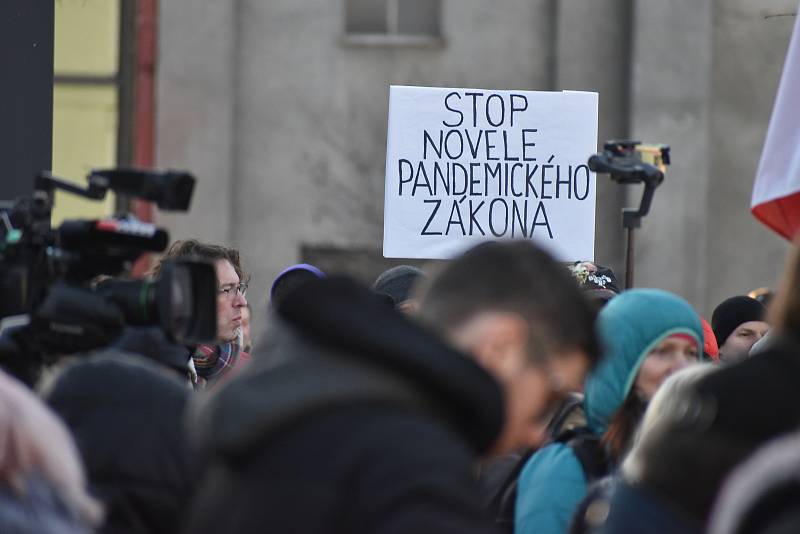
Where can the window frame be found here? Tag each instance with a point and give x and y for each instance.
(392, 37)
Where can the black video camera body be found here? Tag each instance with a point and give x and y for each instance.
(48, 275)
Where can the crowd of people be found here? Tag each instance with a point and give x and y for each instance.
(499, 392)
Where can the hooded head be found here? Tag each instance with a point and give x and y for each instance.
(290, 279)
(397, 283)
(630, 327)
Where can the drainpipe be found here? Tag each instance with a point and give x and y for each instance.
(144, 108)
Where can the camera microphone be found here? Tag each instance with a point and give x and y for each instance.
(112, 233)
(170, 190)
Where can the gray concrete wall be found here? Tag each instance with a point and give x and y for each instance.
(749, 51)
(595, 56)
(311, 114)
(285, 126)
(670, 92)
(708, 94)
(195, 90)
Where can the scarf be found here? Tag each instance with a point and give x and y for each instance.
(212, 362)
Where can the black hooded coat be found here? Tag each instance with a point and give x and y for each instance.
(126, 414)
(350, 419)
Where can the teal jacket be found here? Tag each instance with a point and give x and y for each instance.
(552, 483)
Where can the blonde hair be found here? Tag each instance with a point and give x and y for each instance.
(669, 402)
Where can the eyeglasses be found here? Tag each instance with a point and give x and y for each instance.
(229, 291)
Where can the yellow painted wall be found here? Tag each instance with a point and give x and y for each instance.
(84, 137)
(87, 36)
(85, 117)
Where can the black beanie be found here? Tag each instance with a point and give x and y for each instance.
(396, 283)
(733, 312)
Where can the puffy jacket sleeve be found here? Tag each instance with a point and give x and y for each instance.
(550, 487)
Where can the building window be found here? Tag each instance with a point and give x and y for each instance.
(393, 22)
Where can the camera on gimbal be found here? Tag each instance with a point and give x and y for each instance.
(630, 162)
(49, 276)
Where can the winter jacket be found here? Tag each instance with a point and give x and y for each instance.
(43, 486)
(630, 326)
(499, 475)
(126, 414)
(763, 494)
(152, 343)
(355, 420)
(633, 508)
(37, 510)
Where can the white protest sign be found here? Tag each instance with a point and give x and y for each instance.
(470, 165)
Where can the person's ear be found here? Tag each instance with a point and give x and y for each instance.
(500, 343)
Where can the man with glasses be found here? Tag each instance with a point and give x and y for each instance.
(212, 362)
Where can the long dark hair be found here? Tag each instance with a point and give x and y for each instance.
(618, 437)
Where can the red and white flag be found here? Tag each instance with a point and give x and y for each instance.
(776, 193)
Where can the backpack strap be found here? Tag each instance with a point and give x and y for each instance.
(586, 446)
(572, 404)
(589, 450)
(501, 506)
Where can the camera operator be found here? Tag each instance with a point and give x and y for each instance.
(212, 362)
(125, 403)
